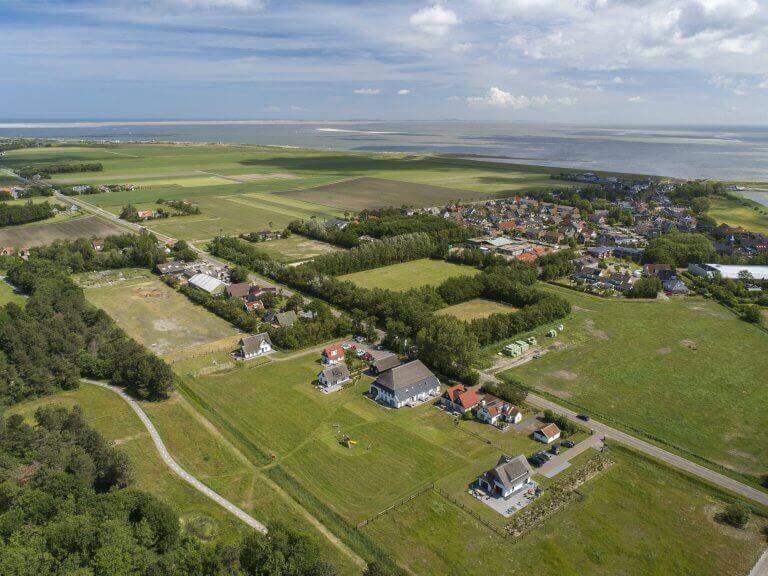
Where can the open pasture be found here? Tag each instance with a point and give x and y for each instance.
(401, 277)
(157, 316)
(477, 308)
(637, 517)
(687, 371)
(296, 248)
(728, 211)
(46, 231)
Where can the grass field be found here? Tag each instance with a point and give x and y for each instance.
(295, 248)
(686, 371)
(401, 277)
(112, 417)
(728, 211)
(477, 308)
(636, 518)
(7, 293)
(157, 316)
(47, 231)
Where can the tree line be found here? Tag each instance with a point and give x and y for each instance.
(67, 507)
(15, 214)
(44, 171)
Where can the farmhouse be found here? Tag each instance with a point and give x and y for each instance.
(333, 354)
(459, 399)
(255, 345)
(547, 434)
(334, 375)
(239, 290)
(405, 384)
(385, 363)
(207, 283)
(507, 477)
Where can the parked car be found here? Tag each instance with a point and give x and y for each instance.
(360, 353)
(584, 417)
(346, 346)
(359, 339)
(567, 444)
(368, 357)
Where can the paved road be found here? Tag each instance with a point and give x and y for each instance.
(652, 450)
(761, 567)
(173, 465)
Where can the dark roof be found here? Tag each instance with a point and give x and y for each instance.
(238, 290)
(509, 471)
(251, 344)
(386, 363)
(407, 380)
(286, 318)
(171, 267)
(336, 373)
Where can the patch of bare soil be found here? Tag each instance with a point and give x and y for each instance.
(166, 325)
(564, 394)
(664, 351)
(743, 455)
(564, 375)
(144, 292)
(125, 439)
(263, 176)
(580, 309)
(690, 344)
(589, 326)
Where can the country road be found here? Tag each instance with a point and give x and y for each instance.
(173, 465)
(652, 450)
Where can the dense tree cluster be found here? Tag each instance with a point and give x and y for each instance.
(32, 191)
(308, 332)
(66, 508)
(319, 231)
(182, 207)
(510, 390)
(45, 170)
(567, 427)
(647, 287)
(121, 251)
(556, 264)
(57, 337)
(689, 191)
(14, 214)
(679, 249)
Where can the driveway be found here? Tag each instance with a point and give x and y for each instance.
(563, 460)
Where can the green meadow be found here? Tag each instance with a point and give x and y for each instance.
(413, 274)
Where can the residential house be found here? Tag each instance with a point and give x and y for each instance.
(547, 434)
(385, 363)
(239, 290)
(459, 399)
(334, 375)
(145, 214)
(405, 384)
(338, 223)
(98, 245)
(508, 476)
(601, 252)
(281, 319)
(255, 345)
(493, 411)
(654, 269)
(675, 286)
(333, 354)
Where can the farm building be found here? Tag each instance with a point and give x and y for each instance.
(385, 363)
(172, 267)
(547, 434)
(207, 283)
(507, 477)
(459, 399)
(255, 345)
(405, 384)
(334, 375)
(729, 271)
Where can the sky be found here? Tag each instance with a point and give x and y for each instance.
(561, 61)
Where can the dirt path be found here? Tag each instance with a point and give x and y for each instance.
(173, 465)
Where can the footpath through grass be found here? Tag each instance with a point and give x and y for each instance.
(686, 371)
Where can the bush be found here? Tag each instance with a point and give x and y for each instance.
(752, 314)
(645, 288)
(736, 515)
(510, 390)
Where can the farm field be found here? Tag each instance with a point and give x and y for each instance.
(686, 371)
(296, 248)
(157, 316)
(46, 231)
(402, 277)
(477, 308)
(114, 419)
(727, 211)
(637, 517)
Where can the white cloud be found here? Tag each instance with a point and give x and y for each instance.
(434, 20)
(272, 108)
(403, 92)
(367, 91)
(222, 4)
(635, 99)
(498, 98)
(567, 101)
(462, 48)
(618, 80)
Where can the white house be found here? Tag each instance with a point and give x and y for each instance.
(507, 477)
(255, 345)
(405, 384)
(547, 434)
(334, 375)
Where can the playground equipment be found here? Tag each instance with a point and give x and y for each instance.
(347, 441)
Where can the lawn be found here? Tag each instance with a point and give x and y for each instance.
(413, 274)
(157, 316)
(8, 293)
(728, 211)
(477, 308)
(637, 517)
(686, 371)
(296, 248)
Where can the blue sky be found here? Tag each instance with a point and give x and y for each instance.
(581, 61)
